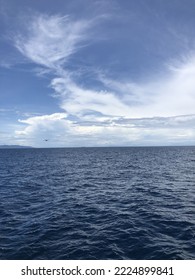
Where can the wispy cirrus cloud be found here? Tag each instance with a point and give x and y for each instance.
(50, 40)
(81, 101)
(169, 94)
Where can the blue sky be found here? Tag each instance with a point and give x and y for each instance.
(97, 72)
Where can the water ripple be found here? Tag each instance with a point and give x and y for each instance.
(97, 203)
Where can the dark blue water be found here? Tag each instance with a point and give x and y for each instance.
(97, 203)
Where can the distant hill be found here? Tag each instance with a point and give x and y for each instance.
(14, 147)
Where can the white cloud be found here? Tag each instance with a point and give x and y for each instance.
(62, 131)
(51, 40)
(79, 101)
(44, 118)
(122, 113)
(171, 94)
(44, 125)
(36, 129)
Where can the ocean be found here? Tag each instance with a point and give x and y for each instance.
(97, 203)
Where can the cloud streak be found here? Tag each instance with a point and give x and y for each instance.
(51, 40)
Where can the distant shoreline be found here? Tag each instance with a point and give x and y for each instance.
(15, 147)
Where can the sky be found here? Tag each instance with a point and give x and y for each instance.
(97, 73)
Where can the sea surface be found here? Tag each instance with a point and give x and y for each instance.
(97, 203)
